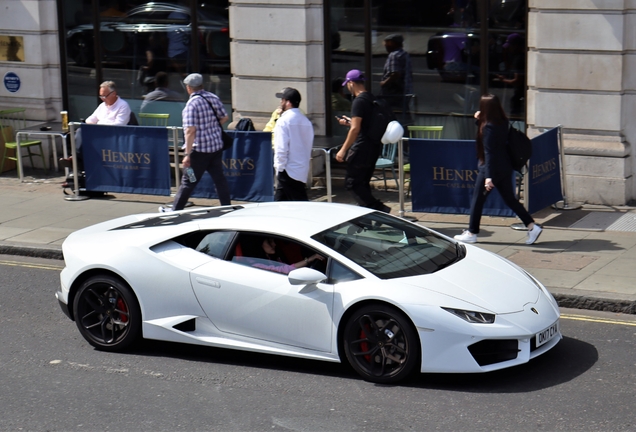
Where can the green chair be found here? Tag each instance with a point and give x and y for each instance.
(387, 161)
(426, 132)
(11, 121)
(151, 119)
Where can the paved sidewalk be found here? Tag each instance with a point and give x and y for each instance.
(586, 257)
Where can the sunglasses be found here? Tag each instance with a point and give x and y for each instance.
(104, 97)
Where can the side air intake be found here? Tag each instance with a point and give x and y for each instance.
(186, 326)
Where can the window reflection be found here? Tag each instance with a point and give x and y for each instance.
(443, 41)
(147, 48)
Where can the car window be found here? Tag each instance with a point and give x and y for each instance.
(389, 247)
(274, 253)
(340, 273)
(215, 243)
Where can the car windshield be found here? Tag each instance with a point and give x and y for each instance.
(389, 247)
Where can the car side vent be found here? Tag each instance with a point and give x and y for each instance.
(494, 351)
(186, 326)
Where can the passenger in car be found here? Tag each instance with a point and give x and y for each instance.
(271, 259)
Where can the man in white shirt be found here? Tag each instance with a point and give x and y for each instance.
(112, 111)
(293, 141)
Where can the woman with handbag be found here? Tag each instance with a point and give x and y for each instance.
(495, 169)
(203, 117)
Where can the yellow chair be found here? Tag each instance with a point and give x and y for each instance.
(426, 132)
(151, 119)
(11, 121)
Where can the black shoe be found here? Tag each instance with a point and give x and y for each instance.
(385, 208)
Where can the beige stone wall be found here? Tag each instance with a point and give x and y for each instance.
(40, 91)
(582, 75)
(276, 44)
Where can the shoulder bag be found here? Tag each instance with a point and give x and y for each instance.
(225, 137)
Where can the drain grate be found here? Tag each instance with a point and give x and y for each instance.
(607, 221)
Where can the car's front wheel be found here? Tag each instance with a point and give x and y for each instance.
(381, 344)
(107, 313)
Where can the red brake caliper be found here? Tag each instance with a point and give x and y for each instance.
(122, 307)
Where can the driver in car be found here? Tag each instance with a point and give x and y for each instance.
(271, 259)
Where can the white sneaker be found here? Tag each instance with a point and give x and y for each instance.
(163, 209)
(466, 237)
(534, 234)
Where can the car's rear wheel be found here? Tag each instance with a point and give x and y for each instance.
(107, 313)
(381, 344)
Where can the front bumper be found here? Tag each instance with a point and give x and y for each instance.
(60, 298)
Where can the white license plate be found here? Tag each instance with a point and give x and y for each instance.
(546, 335)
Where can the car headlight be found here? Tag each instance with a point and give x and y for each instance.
(472, 316)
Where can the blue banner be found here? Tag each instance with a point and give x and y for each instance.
(248, 167)
(127, 159)
(443, 174)
(544, 172)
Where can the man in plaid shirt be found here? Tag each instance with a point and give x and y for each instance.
(203, 117)
(397, 77)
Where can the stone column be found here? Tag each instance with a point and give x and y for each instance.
(276, 44)
(581, 66)
(35, 22)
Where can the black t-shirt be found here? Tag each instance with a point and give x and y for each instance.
(366, 152)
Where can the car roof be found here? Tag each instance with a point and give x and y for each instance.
(295, 219)
(298, 219)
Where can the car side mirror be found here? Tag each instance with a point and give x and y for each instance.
(305, 276)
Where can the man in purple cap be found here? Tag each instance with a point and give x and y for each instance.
(359, 150)
(203, 117)
(293, 141)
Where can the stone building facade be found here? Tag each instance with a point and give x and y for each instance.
(581, 74)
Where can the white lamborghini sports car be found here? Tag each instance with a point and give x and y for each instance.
(312, 280)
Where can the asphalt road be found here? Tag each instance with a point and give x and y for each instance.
(52, 380)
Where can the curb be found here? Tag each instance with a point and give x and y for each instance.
(596, 304)
(47, 252)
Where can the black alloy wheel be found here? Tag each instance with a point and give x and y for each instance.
(381, 344)
(107, 314)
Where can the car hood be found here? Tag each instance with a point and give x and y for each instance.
(484, 280)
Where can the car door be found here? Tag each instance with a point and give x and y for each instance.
(264, 305)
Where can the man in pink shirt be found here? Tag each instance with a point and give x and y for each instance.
(112, 111)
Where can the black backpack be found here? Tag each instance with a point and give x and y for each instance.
(381, 116)
(519, 149)
(245, 124)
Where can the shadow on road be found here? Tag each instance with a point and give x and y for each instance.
(568, 360)
(565, 362)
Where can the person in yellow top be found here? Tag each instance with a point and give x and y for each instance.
(269, 127)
